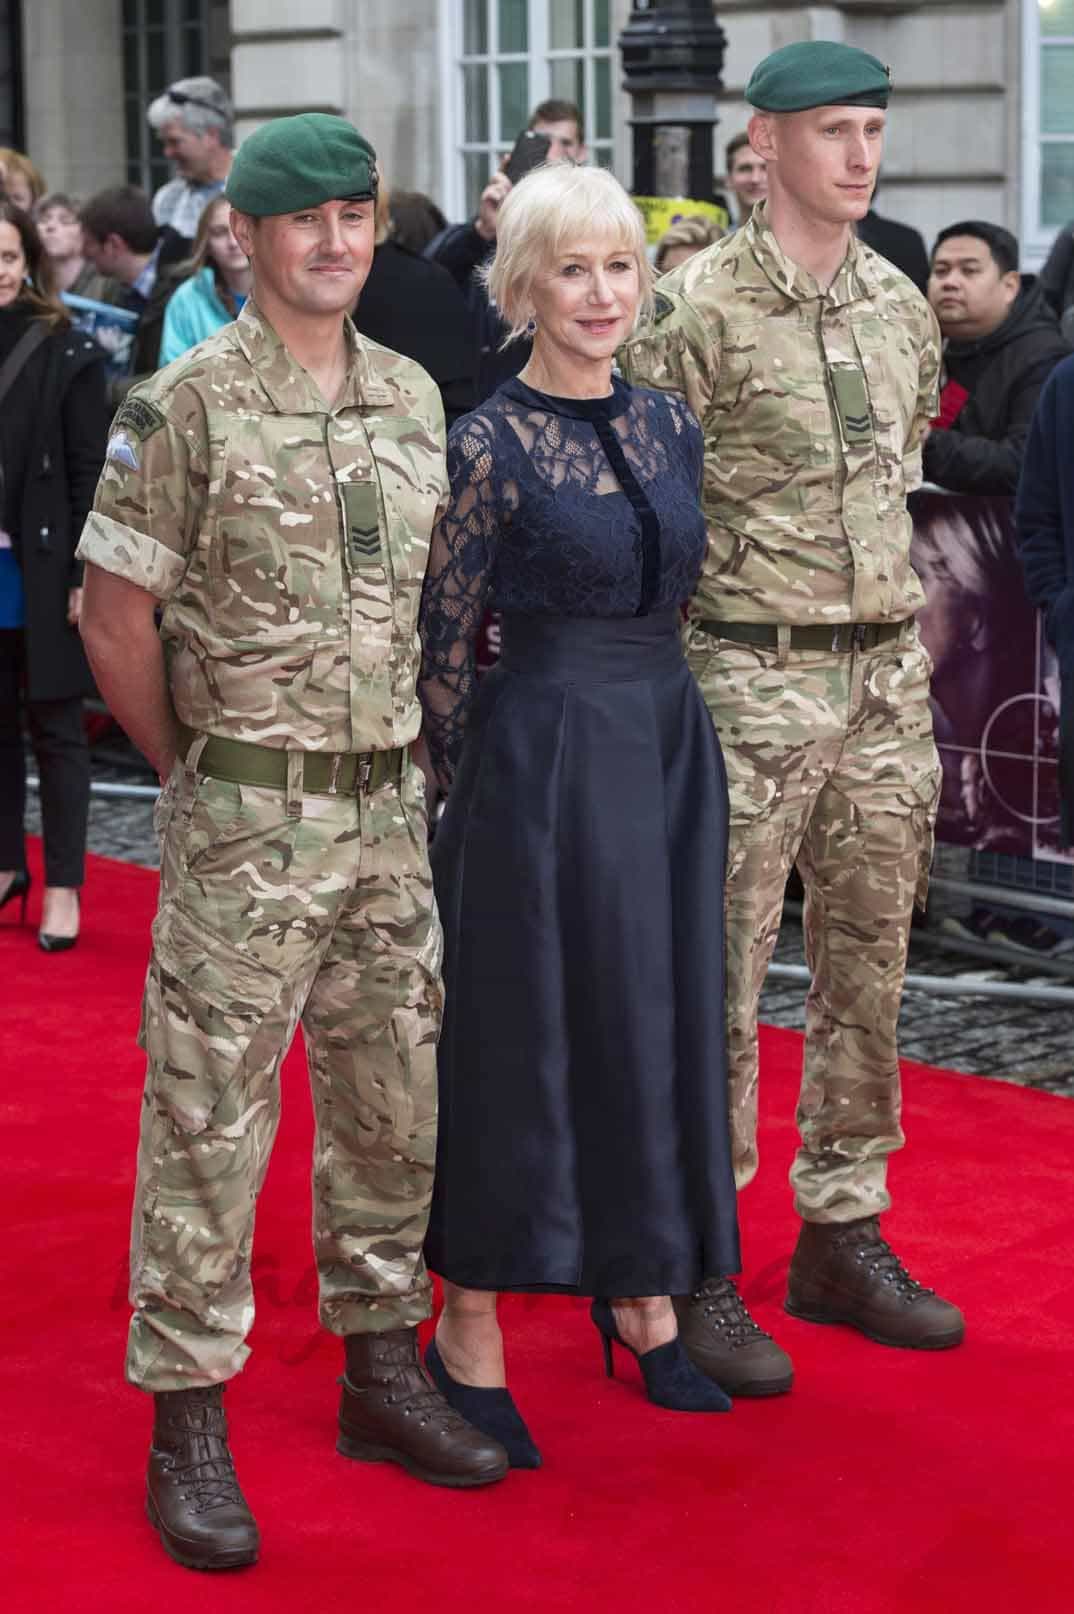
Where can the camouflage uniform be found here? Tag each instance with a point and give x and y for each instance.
(813, 406)
(288, 544)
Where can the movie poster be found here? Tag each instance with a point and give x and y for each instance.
(995, 687)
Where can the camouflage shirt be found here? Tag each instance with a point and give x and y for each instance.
(813, 405)
(287, 541)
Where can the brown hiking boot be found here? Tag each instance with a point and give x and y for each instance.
(391, 1412)
(722, 1339)
(845, 1272)
(192, 1494)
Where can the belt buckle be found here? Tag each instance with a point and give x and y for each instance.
(838, 645)
(365, 772)
(334, 773)
(857, 637)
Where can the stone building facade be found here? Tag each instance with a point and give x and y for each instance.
(982, 123)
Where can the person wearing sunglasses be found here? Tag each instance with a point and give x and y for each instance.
(194, 123)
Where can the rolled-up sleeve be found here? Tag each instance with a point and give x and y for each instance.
(150, 500)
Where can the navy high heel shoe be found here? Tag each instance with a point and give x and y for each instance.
(19, 887)
(490, 1410)
(671, 1379)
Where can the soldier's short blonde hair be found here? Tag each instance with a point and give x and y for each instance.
(551, 208)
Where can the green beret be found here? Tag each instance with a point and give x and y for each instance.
(292, 163)
(818, 72)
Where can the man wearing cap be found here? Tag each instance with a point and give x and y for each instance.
(274, 490)
(812, 364)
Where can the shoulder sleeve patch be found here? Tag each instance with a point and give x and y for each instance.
(138, 419)
(662, 307)
(122, 450)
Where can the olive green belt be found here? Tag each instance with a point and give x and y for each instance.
(332, 773)
(840, 637)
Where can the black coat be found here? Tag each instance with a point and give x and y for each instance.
(415, 308)
(899, 244)
(1056, 279)
(1003, 374)
(1044, 511)
(1044, 521)
(63, 385)
(463, 253)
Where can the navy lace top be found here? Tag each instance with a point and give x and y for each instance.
(559, 507)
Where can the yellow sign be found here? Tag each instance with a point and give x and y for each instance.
(661, 212)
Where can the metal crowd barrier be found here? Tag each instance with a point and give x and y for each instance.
(994, 704)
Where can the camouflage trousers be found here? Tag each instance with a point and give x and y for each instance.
(830, 764)
(277, 908)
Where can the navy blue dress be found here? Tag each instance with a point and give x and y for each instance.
(584, 1141)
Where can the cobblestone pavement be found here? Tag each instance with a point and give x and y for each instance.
(1008, 1038)
(1026, 1042)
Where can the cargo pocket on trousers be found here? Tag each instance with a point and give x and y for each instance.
(204, 1003)
(923, 815)
(164, 806)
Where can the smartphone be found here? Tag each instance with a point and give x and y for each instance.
(530, 150)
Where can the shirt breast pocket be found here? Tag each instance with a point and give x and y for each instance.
(275, 559)
(411, 482)
(772, 387)
(890, 368)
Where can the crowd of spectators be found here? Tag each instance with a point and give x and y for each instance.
(172, 268)
(149, 277)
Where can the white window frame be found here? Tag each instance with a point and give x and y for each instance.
(453, 146)
(1036, 237)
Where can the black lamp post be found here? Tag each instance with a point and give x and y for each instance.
(672, 61)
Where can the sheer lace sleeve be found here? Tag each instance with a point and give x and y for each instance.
(688, 431)
(456, 588)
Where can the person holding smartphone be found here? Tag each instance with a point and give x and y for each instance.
(553, 134)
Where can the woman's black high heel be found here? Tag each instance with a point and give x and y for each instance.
(671, 1379)
(490, 1410)
(19, 887)
(49, 943)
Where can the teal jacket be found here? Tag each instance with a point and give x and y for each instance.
(194, 312)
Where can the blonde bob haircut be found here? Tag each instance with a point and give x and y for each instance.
(550, 210)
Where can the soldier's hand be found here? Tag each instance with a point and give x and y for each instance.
(74, 606)
(492, 199)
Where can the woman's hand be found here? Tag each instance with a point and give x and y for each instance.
(74, 606)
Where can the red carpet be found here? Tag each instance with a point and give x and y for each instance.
(887, 1481)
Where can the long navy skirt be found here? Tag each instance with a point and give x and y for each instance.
(584, 1142)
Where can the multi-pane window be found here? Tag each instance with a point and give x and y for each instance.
(11, 131)
(163, 40)
(510, 55)
(1048, 119)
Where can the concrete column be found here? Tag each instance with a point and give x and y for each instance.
(394, 88)
(285, 59)
(374, 61)
(73, 87)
